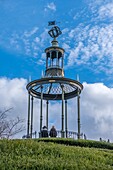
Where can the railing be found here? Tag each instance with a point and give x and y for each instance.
(34, 135)
(70, 134)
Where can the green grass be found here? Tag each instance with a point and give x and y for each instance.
(39, 155)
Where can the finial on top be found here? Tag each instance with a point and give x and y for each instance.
(55, 31)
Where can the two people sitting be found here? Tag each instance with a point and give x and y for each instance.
(52, 133)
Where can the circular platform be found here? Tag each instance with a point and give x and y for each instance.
(51, 88)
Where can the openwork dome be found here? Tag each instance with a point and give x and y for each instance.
(52, 88)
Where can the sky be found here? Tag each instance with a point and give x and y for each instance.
(87, 37)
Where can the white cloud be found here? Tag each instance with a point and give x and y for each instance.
(101, 10)
(106, 11)
(37, 39)
(51, 6)
(29, 43)
(96, 105)
(13, 92)
(93, 45)
(14, 95)
(32, 32)
(66, 46)
(65, 30)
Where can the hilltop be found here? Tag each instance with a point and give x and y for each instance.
(55, 154)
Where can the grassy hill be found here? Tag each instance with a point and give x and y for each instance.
(55, 154)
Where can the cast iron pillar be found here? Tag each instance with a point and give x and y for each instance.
(28, 121)
(62, 61)
(31, 116)
(47, 103)
(41, 110)
(66, 118)
(78, 104)
(62, 130)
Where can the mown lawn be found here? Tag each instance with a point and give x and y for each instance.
(39, 155)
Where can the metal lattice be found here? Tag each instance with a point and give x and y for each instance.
(52, 88)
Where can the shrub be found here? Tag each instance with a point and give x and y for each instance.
(81, 142)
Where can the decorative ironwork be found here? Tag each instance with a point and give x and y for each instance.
(55, 32)
(52, 88)
(51, 23)
(70, 134)
(54, 72)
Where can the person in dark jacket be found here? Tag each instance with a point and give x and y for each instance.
(53, 132)
(44, 132)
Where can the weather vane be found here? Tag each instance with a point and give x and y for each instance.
(54, 31)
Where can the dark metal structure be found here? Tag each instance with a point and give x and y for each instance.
(53, 86)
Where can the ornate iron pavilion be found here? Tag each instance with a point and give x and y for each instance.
(53, 86)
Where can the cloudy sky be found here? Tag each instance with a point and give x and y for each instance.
(87, 37)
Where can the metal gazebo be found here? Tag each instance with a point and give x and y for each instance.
(53, 86)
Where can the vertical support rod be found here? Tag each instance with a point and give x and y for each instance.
(31, 116)
(57, 64)
(62, 130)
(47, 103)
(28, 121)
(66, 118)
(41, 109)
(78, 105)
(62, 61)
(46, 61)
(50, 59)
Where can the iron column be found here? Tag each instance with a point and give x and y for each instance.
(66, 118)
(62, 61)
(78, 104)
(46, 61)
(31, 116)
(47, 113)
(41, 110)
(62, 130)
(28, 121)
(57, 58)
(50, 59)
